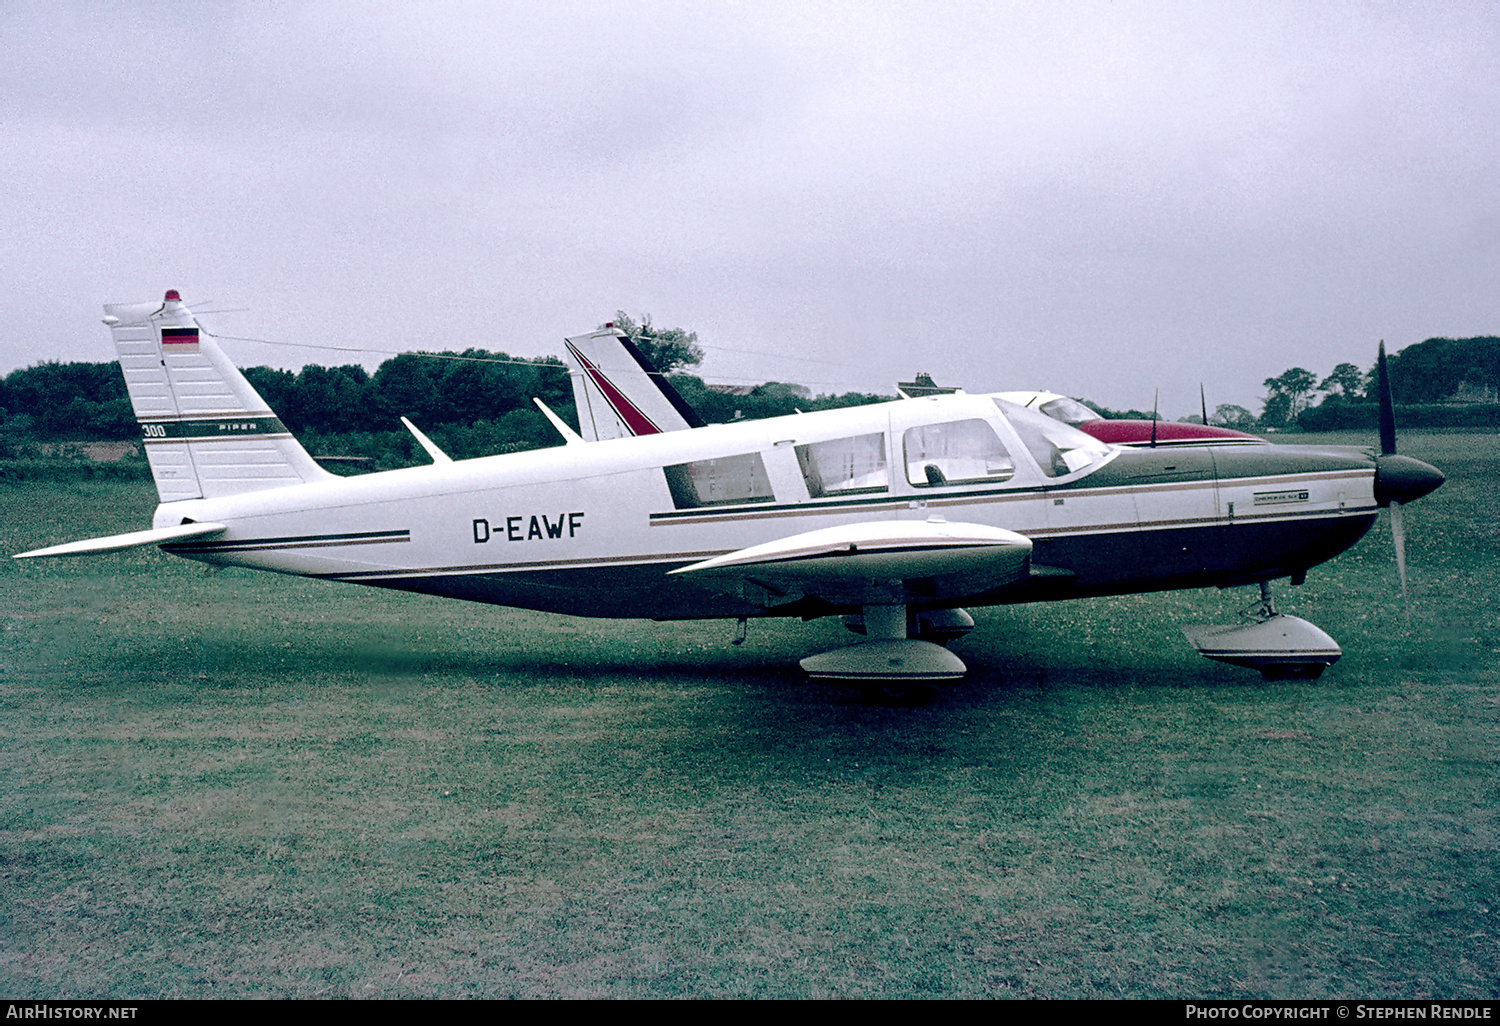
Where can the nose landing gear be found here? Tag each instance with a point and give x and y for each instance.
(1281, 647)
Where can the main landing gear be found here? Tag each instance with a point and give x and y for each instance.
(902, 648)
(1281, 647)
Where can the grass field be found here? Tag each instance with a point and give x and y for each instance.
(223, 783)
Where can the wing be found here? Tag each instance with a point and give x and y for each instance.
(883, 562)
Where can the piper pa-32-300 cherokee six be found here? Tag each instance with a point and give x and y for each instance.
(895, 515)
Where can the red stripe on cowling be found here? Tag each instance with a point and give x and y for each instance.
(1130, 432)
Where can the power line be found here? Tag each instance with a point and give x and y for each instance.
(541, 361)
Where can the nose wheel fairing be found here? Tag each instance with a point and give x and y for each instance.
(1279, 646)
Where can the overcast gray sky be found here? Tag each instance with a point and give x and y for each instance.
(1097, 198)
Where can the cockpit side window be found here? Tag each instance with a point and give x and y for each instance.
(956, 452)
(845, 466)
(1057, 448)
(726, 481)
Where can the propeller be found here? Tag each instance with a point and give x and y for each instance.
(1387, 404)
(1388, 448)
(1398, 479)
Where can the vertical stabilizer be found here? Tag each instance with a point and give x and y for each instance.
(207, 432)
(617, 391)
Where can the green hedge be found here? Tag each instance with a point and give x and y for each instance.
(1355, 416)
(73, 470)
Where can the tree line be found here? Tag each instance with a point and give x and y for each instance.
(472, 403)
(1440, 381)
(480, 400)
(88, 400)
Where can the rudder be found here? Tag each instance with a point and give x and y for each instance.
(207, 432)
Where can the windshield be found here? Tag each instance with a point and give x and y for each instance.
(1058, 448)
(1069, 411)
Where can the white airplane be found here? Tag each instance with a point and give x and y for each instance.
(895, 515)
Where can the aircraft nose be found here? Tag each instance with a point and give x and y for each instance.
(1402, 479)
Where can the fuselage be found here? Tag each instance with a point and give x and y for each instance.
(593, 529)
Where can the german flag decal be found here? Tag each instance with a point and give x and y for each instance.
(180, 340)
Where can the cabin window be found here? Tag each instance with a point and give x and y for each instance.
(726, 481)
(845, 466)
(1057, 448)
(958, 452)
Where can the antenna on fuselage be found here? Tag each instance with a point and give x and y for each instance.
(1155, 402)
(438, 455)
(570, 437)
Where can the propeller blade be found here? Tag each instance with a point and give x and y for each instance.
(1388, 448)
(1203, 403)
(1387, 405)
(1398, 535)
(1155, 402)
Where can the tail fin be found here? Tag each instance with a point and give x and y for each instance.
(618, 393)
(207, 432)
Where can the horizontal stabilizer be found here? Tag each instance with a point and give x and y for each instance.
(118, 542)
